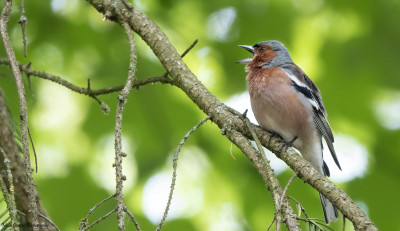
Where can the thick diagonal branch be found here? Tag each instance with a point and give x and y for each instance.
(271, 182)
(275, 188)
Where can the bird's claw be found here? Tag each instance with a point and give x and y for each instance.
(272, 135)
(286, 144)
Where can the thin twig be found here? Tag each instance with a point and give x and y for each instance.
(302, 209)
(127, 4)
(100, 219)
(8, 193)
(312, 221)
(259, 146)
(30, 187)
(98, 204)
(344, 223)
(175, 167)
(93, 93)
(320, 224)
(132, 218)
(302, 219)
(286, 187)
(23, 21)
(184, 54)
(274, 184)
(33, 148)
(189, 48)
(29, 80)
(122, 99)
(270, 225)
(49, 221)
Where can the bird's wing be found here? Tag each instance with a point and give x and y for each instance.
(304, 85)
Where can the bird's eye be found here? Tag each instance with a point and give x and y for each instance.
(263, 48)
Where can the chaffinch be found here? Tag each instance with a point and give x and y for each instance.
(285, 100)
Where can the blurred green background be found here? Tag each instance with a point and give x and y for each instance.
(349, 48)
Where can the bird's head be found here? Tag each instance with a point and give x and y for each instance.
(266, 54)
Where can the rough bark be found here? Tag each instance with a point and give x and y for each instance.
(229, 122)
(10, 147)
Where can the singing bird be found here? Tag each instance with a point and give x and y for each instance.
(285, 101)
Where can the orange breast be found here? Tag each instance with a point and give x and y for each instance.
(276, 105)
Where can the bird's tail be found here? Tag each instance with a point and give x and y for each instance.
(330, 212)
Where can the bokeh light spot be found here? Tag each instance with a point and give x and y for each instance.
(192, 169)
(101, 168)
(63, 6)
(353, 158)
(387, 110)
(226, 218)
(220, 23)
(51, 162)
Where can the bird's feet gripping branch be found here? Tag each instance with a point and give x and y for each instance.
(286, 144)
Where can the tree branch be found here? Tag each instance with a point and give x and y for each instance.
(175, 167)
(93, 93)
(7, 143)
(220, 114)
(8, 192)
(275, 188)
(54, 226)
(100, 219)
(318, 181)
(23, 21)
(84, 222)
(122, 99)
(23, 113)
(132, 218)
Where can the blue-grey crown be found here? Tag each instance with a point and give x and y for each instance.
(283, 54)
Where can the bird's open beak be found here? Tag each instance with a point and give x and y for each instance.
(249, 49)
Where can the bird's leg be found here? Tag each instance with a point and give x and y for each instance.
(273, 135)
(286, 144)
